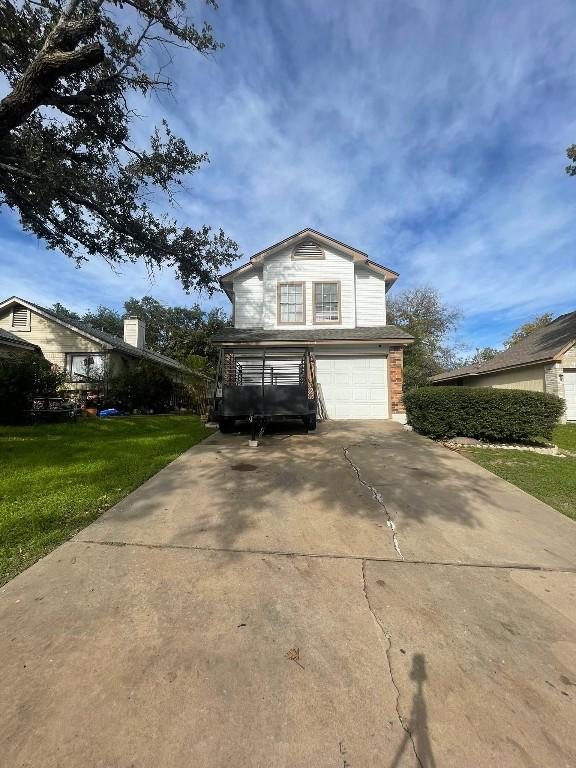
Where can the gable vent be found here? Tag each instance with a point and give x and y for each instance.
(308, 249)
(20, 318)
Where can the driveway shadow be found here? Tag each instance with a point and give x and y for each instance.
(297, 492)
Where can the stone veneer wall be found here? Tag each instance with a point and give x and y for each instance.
(554, 382)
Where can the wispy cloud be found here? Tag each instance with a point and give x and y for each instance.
(430, 134)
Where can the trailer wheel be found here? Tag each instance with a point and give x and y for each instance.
(226, 424)
(310, 423)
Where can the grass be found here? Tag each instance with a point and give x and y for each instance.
(57, 478)
(548, 478)
(565, 437)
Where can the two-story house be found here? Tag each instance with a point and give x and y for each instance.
(312, 291)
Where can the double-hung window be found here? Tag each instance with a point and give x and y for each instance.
(291, 303)
(327, 302)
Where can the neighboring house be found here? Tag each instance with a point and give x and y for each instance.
(544, 361)
(87, 354)
(13, 346)
(311, 291)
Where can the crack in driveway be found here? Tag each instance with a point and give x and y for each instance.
(327, 556)
(388, 648)
(377, 496)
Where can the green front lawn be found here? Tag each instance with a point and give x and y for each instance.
(55, 479)
(565, 437)
(548, 478)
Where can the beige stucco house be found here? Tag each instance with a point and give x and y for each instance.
(544, 361)
(87, 354)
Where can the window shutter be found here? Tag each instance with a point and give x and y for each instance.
(20, 318)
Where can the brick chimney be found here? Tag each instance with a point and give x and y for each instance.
(134, 332)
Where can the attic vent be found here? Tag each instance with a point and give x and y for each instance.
(308, 249)
(21, 318)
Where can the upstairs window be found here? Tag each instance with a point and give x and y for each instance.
(327, 302)
(308, 249)
(20, 318)
(290, 303)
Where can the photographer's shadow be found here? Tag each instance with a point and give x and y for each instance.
(416, 728)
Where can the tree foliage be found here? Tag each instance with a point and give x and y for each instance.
(481, 355)
(70, 164)
(571, 154)
(540, 321)
(143, 385)
(421, 312)
(21, 378)
(182, 333)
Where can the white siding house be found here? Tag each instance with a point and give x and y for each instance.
(311, 291)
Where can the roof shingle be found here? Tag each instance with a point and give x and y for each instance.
(107, 338)
(261, 335)
(541, 345)
(12, 339)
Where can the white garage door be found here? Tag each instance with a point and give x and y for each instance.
(570, 394)
(354, 387)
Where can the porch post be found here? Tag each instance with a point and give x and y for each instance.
(395, 381)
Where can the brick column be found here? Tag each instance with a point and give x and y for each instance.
(395, 380)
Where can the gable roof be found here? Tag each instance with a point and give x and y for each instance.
(95, 334)
(15, 341)
(357, 256)
(543, 345)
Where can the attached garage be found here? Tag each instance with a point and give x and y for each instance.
(354, 387)
(570, 393)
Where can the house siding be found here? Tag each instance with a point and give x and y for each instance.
(53, 339)
(248, 301)
(281, 268)
(569, 359)
(530, 378)
(370, 298)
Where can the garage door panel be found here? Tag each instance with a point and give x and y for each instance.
(354, 387)
(378, 364)
(365, 378)
(378, 396)
(340, 379)
(343, 394)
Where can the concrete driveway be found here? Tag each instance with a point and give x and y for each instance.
(354, 597)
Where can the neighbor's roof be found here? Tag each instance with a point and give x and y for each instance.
(380, 334)
(112, 342)
(358, 256)
(542, 345)
(15, 341)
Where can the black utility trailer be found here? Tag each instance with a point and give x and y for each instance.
(260, 386)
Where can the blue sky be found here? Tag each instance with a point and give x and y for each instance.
(429, 133)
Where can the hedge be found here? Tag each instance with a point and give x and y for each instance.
(21, 378)
(486, 414)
